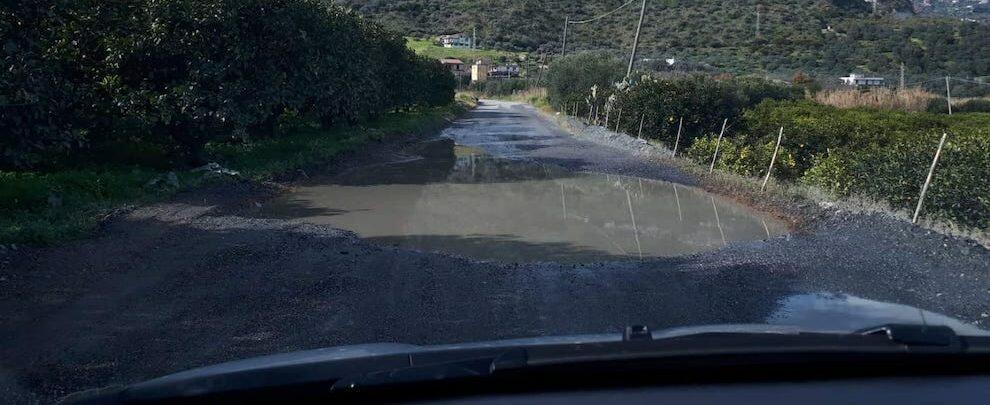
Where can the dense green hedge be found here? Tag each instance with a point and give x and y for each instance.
(176, 74)
(875, 153)
(659, 100)
(572, 78)
(702, 101)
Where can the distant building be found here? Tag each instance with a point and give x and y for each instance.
(504, 71)
(862, 81)
(456, 66)
(479, 71)
(455, 41)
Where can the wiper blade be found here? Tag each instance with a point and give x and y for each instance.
(917, 335)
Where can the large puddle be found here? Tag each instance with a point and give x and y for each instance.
(458, 200)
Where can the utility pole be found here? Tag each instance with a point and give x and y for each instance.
(902, 75)
(632, 57)
(474, 38)
(563, 47)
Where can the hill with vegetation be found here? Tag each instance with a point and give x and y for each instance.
(821, 37)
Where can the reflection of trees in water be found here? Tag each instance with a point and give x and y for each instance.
(487, 169)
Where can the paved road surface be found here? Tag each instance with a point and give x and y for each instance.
(201, 280)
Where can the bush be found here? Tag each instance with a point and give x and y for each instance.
(937, 105)
(895, 172)
(502, 88)
(571, 79)
(974, 105)
(38, 110)
(186, 72)
(703, 102)
(738, 157)
(875, 153)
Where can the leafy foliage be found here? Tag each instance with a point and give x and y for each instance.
(659, 101)
(876, 153)
(571, 80)
(181, 73)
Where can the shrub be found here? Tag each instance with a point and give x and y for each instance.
(895, 172)
(39, 109)
(183, 73)
(742, 158)
(974, 105)
(703, 102)
(875, 153)
(571, 79)
(502, 88)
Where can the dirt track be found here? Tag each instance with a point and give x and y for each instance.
(200, 280)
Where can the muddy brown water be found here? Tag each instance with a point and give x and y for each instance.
(449, 198)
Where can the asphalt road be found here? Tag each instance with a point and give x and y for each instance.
(202, 279)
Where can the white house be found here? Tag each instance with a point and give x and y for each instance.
(455, 41)
(503, 71)
(860, 80)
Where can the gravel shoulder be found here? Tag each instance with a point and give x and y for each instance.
(198, 280)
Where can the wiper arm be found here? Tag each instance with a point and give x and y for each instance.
(918, 336)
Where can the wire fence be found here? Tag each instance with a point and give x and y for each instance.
(592, 119)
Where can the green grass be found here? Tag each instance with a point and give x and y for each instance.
(427, 47)
(43, 208)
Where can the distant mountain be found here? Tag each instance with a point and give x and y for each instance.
(822, 37)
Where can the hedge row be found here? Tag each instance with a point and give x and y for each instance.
(79, 75)
(584, 82)
(880, 154)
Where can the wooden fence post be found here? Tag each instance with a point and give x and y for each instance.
(773, 159)
(928, 180)
(718, 143)
(678, 140)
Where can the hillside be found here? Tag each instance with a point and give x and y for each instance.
(976, 10)
(824, 37)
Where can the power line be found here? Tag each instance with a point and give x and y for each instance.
(925, 81)
(970, 81)
(593, 19)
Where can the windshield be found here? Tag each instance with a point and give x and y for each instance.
(189, 182)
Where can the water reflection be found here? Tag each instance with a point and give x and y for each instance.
(846, 312)
(456, 199)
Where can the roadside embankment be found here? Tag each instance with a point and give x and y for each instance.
(49, 207)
